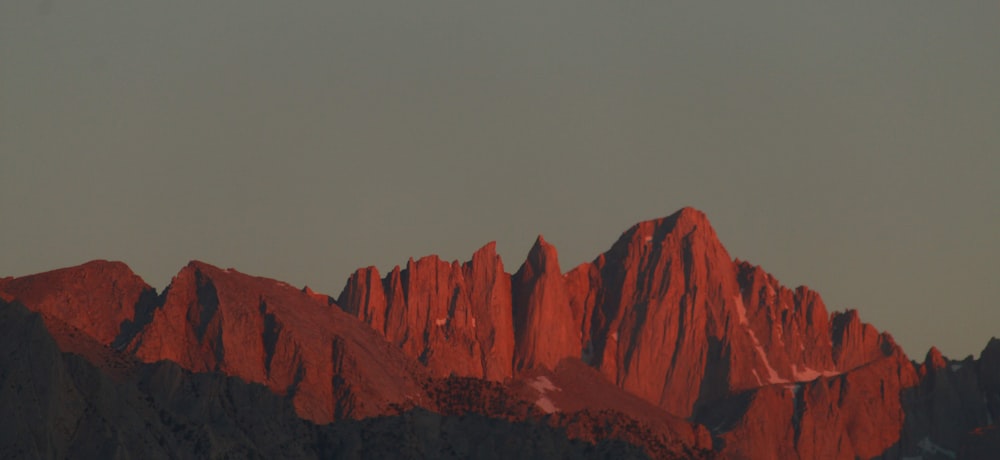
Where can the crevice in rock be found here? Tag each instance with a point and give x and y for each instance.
(145, 308)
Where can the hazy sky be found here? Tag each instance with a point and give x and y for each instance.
(853, 147)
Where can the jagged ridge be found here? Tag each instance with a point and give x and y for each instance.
(665, 314)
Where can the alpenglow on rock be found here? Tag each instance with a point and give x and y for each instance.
(664, 341)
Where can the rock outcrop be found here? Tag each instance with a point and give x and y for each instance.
(544, 328)
(953, 407)
(105, 300)
(269, 332)
(857, 414)
(454, 318)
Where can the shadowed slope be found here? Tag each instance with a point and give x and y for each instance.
(57, 405)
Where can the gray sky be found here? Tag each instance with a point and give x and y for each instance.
(853, 147)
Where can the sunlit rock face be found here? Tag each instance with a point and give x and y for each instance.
(454, 318)
(269, 332)
(663, 340)
(101, 298)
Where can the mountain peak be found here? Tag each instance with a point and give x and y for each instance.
(543, 256)
(201, 266)
(665, 315)
(106, 264)
(488, 250)
(111, 267)
(540, 242)
(686, 218)
(543, 320)
(96, 297)
(686, 227)
(934, 359)
(688, 214)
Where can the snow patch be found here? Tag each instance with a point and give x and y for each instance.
(803, 374)
(929, 447)
(546, 405)
(793, 388)
(799, 374)
(741, 312)
(772, 375)
(955, 367)
(543, 385)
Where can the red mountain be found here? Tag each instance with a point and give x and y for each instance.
(664, 341)
(455, 319)
(103, 299)
(268, 332)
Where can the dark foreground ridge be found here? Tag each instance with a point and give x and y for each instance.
(59, 405)
(663, 346)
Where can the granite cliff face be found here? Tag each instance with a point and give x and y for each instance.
(268, 332)
(664, 341)
(453, 318)
(544, 326)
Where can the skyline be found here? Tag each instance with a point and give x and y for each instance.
(849, 148)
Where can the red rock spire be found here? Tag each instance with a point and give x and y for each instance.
(490, 297)
(543, 320)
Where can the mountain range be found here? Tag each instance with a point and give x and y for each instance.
(664, 346)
